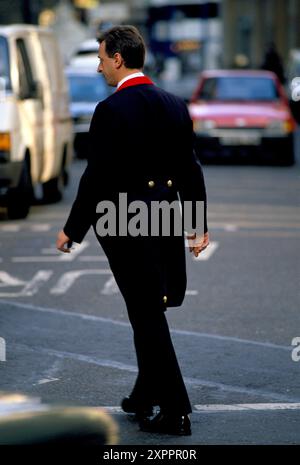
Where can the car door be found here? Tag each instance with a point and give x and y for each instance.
(30, 105)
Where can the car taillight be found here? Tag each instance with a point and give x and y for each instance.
(289, 125)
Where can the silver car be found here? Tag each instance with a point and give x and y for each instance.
(87, 88)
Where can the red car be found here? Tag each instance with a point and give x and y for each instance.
(242, 112)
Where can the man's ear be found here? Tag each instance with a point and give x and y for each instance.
(118, 60)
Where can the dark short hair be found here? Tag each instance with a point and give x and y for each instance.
(127, 41)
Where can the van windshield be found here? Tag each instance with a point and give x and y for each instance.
(5, 83)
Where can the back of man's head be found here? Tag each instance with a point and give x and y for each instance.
(127, 41)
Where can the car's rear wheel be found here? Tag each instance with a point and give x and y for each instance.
(54, 188)
(20, 198)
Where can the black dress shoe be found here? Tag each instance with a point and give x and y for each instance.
(167, 423)
(129, 405)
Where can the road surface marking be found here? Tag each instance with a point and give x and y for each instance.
(49, 251)
(43, 227)
(110, 287)
(67, 280)
(2, 350)
(31, 287)
(216, 408)
(10, 227)
(46, 380)
(8, 280)
(84, 316)
(61, 257)
(257, 224)
(207, 253)
(207, 408)
(93, 258)
(231, 227)
(191, 292)
(133, 369)
(34, 227)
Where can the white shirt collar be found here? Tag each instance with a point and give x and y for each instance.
(130, 76)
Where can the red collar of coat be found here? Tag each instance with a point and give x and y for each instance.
(135, 82)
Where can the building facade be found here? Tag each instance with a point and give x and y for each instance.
(249, 26)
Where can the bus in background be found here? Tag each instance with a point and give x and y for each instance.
(185, 38)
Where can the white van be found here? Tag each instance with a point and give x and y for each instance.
(36, 132)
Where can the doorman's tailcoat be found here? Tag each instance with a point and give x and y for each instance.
(141, 142)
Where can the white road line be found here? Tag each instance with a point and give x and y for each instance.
(231, 227)
(46, 380)
(78, 249)
(84, 358)
(2, 350)
(256, 224)
(93, 258)
(216, 408)
(8, 280)
(61, 257)
(35, 227)
(133, 369)
(191, 292)
(43, 227)
(207, 253)
(100, 319)
(239, 407)
(110, 287)
(39, 259)
(31, 287)
(10, 227)
(49, 251)
(110, 409)
(68, 279)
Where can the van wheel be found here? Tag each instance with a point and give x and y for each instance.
(20, 198)
(53, 189)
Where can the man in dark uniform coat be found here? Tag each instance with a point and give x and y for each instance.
(141, 143)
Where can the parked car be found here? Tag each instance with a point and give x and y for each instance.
(85, 54)
(86, 89)
(36, 139)
(243, 112)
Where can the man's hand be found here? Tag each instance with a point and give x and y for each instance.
(198, 243)
(61, 241)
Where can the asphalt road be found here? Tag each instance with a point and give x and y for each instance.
(67, 335)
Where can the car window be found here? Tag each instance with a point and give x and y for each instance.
(26, 81)
(239, 88)
(87, 88)
(4, 64)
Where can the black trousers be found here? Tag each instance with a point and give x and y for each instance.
(159, 380)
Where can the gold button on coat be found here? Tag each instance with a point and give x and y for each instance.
(169, 183)
(165, 299)
(151, 183)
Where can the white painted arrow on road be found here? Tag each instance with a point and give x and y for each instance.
(68, 279)
(60, 257)
(30, 287)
